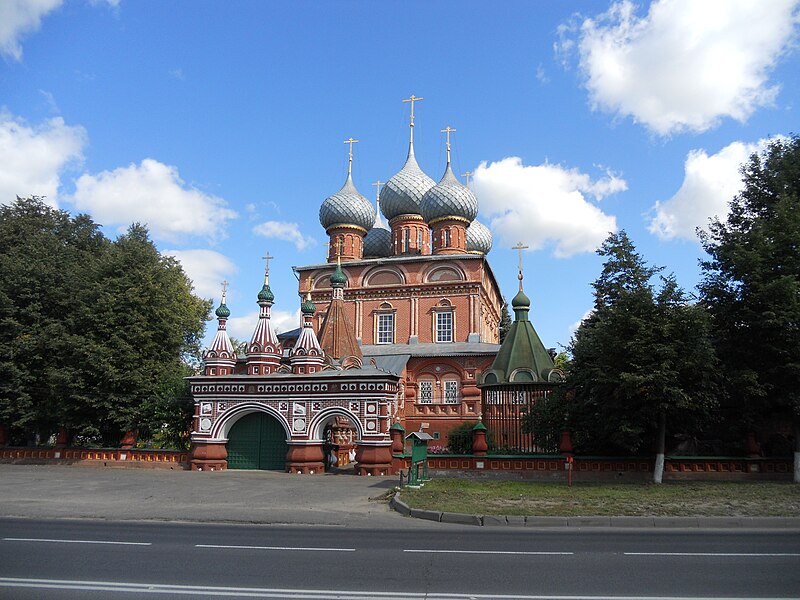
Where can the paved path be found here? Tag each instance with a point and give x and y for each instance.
(267, 497)
(44, 491)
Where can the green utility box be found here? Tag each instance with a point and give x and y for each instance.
(419, 457)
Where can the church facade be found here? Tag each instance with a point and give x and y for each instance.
(398, 326)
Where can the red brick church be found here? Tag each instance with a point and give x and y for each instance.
(398, 326)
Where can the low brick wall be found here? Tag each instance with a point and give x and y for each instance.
(547, 467)
(100, 457)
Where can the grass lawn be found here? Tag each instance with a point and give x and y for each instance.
(676, 499)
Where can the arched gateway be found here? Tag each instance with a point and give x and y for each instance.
(246, 422)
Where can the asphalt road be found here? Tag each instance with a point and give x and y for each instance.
(101, 559)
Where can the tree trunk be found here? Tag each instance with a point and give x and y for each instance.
(658, 470)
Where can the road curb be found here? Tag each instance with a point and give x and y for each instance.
(785, 523)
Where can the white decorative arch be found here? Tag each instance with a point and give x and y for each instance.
(229, 418)
(316, 424)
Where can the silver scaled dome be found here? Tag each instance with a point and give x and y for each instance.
(378, 241)
(479, 238)
(347, 207)
(449, 198)
(403, 192)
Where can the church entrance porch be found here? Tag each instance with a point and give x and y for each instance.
(257, 441)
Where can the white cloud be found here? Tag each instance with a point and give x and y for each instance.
(19, 17)
(152, 193)
(684, 65)
(288, 232)
(545, 204)
(574, 327)
(709, 184)
(206, 269)
(33, 158)
(242, 327)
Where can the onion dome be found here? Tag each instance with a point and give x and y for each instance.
(266, 295)
(479, 238)
(449, 198)
(521, 302)
(403, 192)
(307, 307)
(338, 279)
(347, 207)
(378, 241)
(223, 312)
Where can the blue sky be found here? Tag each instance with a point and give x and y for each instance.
(221, 125)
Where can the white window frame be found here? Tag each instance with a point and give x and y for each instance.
(451, 392)
(425, 396)
(441, 327)
(382, 334)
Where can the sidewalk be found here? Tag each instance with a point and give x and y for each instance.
(268, 497)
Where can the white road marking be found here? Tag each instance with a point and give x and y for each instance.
(490, 552)
(52, 541)
(748, 554)
(195, 590)
(276, 548)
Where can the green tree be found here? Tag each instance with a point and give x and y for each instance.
(47, 266)
(640, 362)
(751, 286)
(505, 321)
(92, 332)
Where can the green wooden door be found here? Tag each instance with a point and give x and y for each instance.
(257, 441)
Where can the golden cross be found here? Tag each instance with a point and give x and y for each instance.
(448, 130)
(412, 99)
(519, 248)
(267, 258)
(350, 141)
(378, 185)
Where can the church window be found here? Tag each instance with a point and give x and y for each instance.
(406, 240)
(451, 392)
(385, 328)
(419, 240)
(255, 370)
(425, 392)
(446, 237)
(444, 326)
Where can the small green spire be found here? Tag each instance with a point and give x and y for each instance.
(479, 426)
(223, 312)
(307, 307)
(266, 295)
(338, 279)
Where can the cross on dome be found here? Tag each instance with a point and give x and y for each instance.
(266, 259)
(412, 99)
(448, 130)
(519, 248)
(350, 141)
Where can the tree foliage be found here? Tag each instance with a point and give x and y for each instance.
(505, 321)
(751, 286)
(92, 331)
(642, 353)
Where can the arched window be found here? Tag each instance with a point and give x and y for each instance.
(443, 322)
(384, 324)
